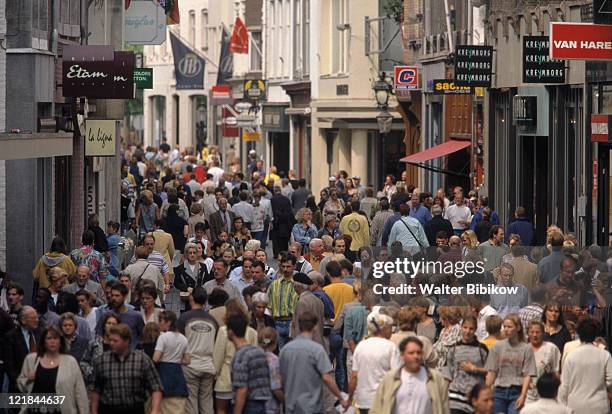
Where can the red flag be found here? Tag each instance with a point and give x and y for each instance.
(127, 4)
(240, 38)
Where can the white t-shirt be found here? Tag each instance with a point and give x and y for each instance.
(173, 346)
(455, 213)
(412, 396)
(481, 331)
(372, 359)
(547, 360)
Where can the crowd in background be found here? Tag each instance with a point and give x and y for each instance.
(222, 290)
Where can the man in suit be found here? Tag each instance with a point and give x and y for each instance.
(19, 342)
(221, 220)
(164, 244)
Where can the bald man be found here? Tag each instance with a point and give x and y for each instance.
(83, 281)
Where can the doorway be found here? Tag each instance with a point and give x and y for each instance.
(533, 175)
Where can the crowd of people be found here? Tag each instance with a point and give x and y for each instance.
(245, 293)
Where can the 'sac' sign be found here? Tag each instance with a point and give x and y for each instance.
(406, 78)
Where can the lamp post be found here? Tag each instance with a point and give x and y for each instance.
(382, 91)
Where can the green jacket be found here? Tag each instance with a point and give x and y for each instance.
(437, 387)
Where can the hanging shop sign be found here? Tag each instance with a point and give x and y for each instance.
(97, 72)
(405, 79)
(255, 89)
(538, 67)
(600, 128)
(143, 77)
(145, 23)
(448, 87)
(249, 134)
(525, 110)
(100, 138)
(582, 41)
(473, 65)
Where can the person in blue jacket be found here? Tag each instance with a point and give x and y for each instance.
(521, 226)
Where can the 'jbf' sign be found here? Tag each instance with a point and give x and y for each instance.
(97, 72)
(188, 66)
(473, 65)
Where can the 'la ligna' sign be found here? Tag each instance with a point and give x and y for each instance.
(100, 138)
(97, 72)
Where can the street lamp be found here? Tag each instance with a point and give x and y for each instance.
(382, 90)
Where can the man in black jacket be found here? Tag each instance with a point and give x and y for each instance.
(436, 224)
(283, 222)
(19, 342)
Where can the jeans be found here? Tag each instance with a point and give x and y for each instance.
(264, 241)
(254, 407)
(259, 235)
(505, 399)
(283, 328)
(336, 351)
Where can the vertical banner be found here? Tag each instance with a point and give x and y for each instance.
(240, 38)
(188, 66)
(226, 59)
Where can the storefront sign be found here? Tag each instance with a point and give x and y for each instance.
(448, 87)
(143, 78)
(583, 41)
(100, 137)
(228, 123)
(255, 89)
(251, 135)
(145, 23)
(538, 67)
(97, 72)
(405, 78)
(473, 65)
(600, 128)
(525, 110)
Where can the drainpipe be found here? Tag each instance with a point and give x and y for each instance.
(448, 27)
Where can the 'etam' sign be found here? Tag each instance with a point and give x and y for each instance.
(583, 41)
(97, 72)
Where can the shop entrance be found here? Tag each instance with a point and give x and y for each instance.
(533, 196)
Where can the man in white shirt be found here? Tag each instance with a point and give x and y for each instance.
(458, 214)
(373, 357)
(216, 171)
(244, 209)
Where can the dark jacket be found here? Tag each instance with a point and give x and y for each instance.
(268, 321)
(436, 224)
(523, 227)
(15, 351)
(283, 216)
(183, 280)
(216, 223)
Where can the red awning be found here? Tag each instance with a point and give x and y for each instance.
(436, 152)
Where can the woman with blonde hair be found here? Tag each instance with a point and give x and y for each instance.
(146, 212)
(450, 318)
(470, 242)
(303, 231)
(510, 366)
(224, 353)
